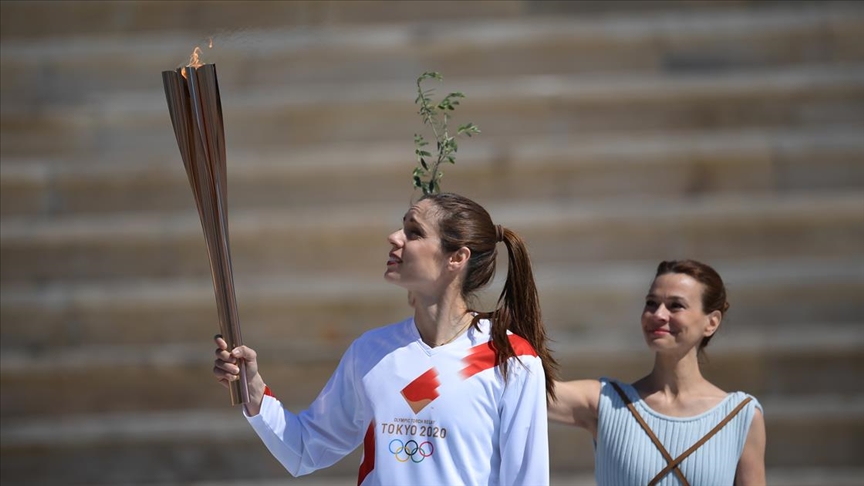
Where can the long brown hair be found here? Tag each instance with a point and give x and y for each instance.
(464, 223)
(713, 289)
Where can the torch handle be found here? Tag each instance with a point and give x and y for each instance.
(240, 389)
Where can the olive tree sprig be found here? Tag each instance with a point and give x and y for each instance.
(427, 175)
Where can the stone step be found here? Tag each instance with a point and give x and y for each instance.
(267, 242)
(577, 300)
(587, 168)
(118, 21)
(57, 19)
(114, 126)
(40, 71)
(198, 447)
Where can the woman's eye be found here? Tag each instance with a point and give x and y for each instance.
(650, 304)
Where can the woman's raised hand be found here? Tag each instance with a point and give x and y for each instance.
(225, 366)
(226, 369)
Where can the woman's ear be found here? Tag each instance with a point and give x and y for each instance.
(714, 319)
(459, 258)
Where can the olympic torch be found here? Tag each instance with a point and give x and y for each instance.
(195, 107)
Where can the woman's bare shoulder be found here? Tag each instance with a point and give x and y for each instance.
(578, 392)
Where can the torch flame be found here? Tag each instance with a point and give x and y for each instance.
(194, 59)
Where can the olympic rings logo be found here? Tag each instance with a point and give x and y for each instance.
(411, 450)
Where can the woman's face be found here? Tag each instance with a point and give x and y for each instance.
(417, 261)
(673, 318)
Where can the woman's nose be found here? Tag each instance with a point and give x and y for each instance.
(393, 238)
(662, 313)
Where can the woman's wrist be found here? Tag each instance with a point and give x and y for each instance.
(257, 390)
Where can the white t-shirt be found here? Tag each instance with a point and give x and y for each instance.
(425, 416)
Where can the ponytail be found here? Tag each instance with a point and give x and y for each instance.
(519, 312)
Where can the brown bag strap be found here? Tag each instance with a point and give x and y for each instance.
(692, 449)
(653, 437)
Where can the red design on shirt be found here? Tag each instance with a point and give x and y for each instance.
(368, 454)
(422, 390)
(482, 356)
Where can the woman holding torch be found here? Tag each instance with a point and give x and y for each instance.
(672, 426)
(448, 396)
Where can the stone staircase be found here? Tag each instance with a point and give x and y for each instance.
(615, 135)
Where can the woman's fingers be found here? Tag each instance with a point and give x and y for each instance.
(226, 365)
(223, 355)
(225, 372)
(240, 352)
(223, 383)
(220, 341)
(243, 352)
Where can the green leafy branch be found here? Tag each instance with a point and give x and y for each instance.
(427, 175)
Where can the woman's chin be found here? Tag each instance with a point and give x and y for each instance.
(393, 278)
(656, 344)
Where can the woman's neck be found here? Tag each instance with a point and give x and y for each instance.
(677, 388)
(440, 320)
(674, 375)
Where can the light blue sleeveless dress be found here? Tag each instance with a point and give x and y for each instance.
(625, 455)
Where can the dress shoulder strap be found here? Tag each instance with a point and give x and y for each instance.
(653, 437)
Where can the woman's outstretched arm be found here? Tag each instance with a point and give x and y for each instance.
(313, 439)
(576, 404)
